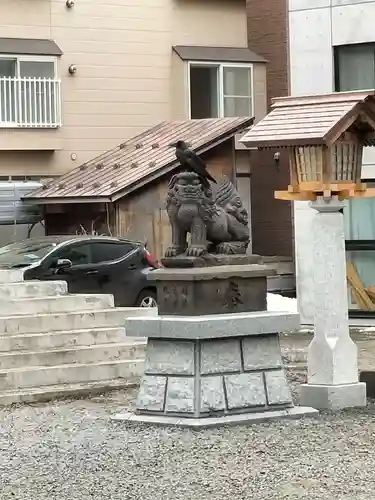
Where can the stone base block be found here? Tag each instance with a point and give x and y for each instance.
(220, 394)
(200, 378)
(214, 366)
(213, 326)
(211, 290)
(333, 397)
(209, 422)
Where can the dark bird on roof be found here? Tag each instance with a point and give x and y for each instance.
(191, 160)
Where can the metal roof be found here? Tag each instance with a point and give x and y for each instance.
(137, 161)
(29, 46)
(310, 120)
(219, 54)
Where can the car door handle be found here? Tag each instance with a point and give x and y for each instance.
(132, 266)
(88, 273)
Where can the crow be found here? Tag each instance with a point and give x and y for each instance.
(186, 156)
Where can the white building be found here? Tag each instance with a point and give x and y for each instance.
(332, 48)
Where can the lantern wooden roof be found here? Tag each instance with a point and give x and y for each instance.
(313, 120)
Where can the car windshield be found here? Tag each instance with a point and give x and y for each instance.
(25, 252)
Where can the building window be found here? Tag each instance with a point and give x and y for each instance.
(354, 67)
(29, 92)
(359, 218)
(220, 90)
(355, 70)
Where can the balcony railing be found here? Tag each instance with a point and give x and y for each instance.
(30, 102)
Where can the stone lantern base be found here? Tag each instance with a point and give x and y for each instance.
(333, 397)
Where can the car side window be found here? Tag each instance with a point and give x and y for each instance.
(107, 251)
(77, 254)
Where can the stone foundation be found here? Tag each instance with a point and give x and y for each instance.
(334, 397)
(199, 378)
(213, 369)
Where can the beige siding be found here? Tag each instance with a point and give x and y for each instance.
(210, 22)
(21, 18)
(179, 89)
(27, 163)
(35, 140)
(260, 91)
(123, 84)
(121, 87)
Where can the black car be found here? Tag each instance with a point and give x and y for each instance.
(89, 264)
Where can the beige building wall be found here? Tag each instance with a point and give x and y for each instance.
(221, 23)
(125, 81)
(260, 91)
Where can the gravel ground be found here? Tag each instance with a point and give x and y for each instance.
(70, 450)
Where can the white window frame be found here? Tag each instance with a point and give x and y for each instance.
(221, 96)
(20, 58)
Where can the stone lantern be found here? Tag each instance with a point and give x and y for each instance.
(325, 136)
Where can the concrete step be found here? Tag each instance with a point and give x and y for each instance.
(11, 275)
(33, 289)
(50, 392)
(55, 340)
(80, 354)
(115, 317)
(39, 377)
(57, 304)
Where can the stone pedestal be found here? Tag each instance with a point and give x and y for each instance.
(213, 355)
(211, 290)
(209, 260)
(213, 370)
(332, 355)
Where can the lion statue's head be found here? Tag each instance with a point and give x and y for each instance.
(186, 187)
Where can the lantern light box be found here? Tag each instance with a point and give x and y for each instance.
(325, 135)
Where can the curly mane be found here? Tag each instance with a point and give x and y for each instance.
(226, 193)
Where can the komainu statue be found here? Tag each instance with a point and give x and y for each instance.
(214, 216)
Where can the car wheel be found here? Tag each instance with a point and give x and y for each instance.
(147, 298)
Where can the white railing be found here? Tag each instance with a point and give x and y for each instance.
(30, 102)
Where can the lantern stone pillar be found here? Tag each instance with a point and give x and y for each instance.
(332, 355)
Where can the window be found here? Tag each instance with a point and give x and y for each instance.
(107, 251)
(29, 92)
(355, 70)
(220, 90)
(355, 67)
(77, 254)
(359, 218)
(25, 252)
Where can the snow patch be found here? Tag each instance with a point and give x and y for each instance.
(279, 303)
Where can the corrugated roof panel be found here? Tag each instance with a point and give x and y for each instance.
(138, 158)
